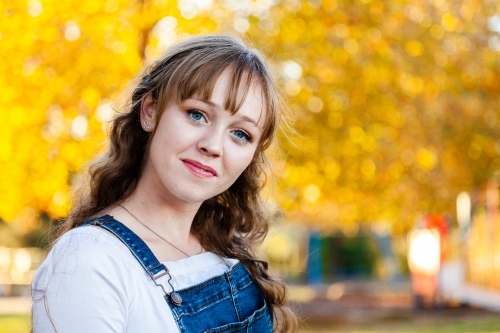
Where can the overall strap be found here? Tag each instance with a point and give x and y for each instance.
(136, 245)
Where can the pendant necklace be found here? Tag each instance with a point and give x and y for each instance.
(175, 297)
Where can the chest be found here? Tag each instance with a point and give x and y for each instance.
(163, 301)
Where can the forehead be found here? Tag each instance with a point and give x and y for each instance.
(247, 100)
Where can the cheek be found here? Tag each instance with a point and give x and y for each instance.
(175, 136)
(243, 162)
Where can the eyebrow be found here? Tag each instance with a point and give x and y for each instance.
(212, 104)
(250, 120)
(206, 101)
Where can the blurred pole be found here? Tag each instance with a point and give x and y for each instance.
(492, 202)
(463, 214)
(314, 266)
(390, 261)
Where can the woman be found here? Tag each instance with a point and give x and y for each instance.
(160, 237)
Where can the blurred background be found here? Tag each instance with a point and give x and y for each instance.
(388, 199)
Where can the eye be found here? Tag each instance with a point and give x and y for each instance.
(242, 136)
(196, 116)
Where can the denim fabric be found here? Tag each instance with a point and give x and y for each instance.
(229, 303)
(136, 245)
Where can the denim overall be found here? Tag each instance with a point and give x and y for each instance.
(230, 302)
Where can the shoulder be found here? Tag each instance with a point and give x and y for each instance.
(89, 242)
(86, 284)
(85, 251)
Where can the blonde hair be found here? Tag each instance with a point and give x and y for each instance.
(232, 223)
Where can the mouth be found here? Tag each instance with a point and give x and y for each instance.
(199, 169)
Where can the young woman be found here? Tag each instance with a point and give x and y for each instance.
(161, 234)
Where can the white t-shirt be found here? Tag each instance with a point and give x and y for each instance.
(90, 282)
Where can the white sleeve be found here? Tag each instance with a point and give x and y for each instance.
(83, 286)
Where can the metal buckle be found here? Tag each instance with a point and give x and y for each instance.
(153, 276)
(95, 223)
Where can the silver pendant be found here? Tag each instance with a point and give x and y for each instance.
(176, 298)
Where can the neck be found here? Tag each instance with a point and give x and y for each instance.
(173, 218)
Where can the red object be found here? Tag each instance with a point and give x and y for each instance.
(436, 221)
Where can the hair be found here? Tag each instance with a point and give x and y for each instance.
(232, 223)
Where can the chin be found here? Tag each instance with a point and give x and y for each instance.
(196, 199)
(197, 195)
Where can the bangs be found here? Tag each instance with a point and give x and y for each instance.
(200, 80)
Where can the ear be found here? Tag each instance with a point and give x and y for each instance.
(148, 113)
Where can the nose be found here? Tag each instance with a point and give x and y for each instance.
(211, 143)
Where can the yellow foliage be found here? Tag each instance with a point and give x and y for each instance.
(389, 96)
(414, 48)
(329, 5)
(426, 159)
(332, 170)
(449, 22)
(312, 192)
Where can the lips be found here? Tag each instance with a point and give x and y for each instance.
(199, 169)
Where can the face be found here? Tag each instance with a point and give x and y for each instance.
(199, 148)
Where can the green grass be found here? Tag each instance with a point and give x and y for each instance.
(21, 324)
(476, 325)
(15, 323)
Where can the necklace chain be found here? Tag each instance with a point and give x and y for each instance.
(135, 217)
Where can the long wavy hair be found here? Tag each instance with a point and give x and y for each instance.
(230, 224)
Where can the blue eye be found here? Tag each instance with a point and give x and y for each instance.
(242, 136)
(196, 116)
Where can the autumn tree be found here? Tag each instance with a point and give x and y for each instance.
(396, 102)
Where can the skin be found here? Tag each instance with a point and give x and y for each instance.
(172, 185)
